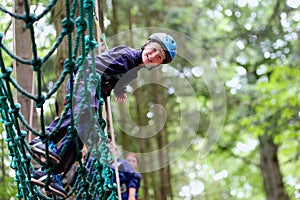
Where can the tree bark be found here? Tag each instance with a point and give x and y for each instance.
(142, 141)
(162, 141)
(24, 73)
(58, 14)
(115, 21)
(101, 14)
(270, 169)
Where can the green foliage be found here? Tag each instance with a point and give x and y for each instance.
(280, 100)
(8, 187)
(261, 41)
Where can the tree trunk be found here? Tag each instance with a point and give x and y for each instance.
(167, 169)
(100, 14)
(100, 19)
(162, 140)
(142, 141)
(24, 73)
(270, 168)
(58, 14)
(115, 21)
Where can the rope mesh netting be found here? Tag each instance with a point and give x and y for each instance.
(94, 181)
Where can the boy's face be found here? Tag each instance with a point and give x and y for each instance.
(153, 54)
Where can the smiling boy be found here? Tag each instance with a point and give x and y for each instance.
(112, 66)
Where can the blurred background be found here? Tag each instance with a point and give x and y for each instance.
(224, 115)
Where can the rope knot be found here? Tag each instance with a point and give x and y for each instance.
(102, 123)
(81, 170)
(67, 25)
(71, 132)
(21, 136)
(40, 101)
(30, 19)
(101, 101)
(68, 100)
(1, 37)
(91, 43)
(88, 4)
(69, 66)
(3, 99)
(15, 109)
(25, 159)
(8, 124)
(36, 65)
(81, 24)
(6, 74)
(80, 60)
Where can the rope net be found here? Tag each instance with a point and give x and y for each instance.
(91, 174)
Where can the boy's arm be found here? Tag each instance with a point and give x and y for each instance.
(131, 195)
(122, 82)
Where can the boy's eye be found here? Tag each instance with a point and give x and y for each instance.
(154, 49)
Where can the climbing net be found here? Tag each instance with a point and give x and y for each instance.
(94, 181)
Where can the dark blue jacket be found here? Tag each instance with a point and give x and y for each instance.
(114, 64)
(117, 61)
(117, 65)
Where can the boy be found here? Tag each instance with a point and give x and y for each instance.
(160, 48)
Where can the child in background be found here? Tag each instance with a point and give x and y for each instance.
(129, 181)
(133, 160)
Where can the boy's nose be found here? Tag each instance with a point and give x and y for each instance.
(155, 55)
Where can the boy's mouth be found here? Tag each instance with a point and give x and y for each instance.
(148, 58)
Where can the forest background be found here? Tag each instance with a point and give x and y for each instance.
(236, 134)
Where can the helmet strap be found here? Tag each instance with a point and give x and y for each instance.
(151, 68)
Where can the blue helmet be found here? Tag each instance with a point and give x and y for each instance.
(168, 44)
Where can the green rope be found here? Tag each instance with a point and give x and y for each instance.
(94, 182)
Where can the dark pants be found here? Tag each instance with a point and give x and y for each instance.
(67, 149)
(85, 124)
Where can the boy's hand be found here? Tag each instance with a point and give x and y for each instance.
(121, 98)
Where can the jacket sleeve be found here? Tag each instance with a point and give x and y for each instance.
(124, 80)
